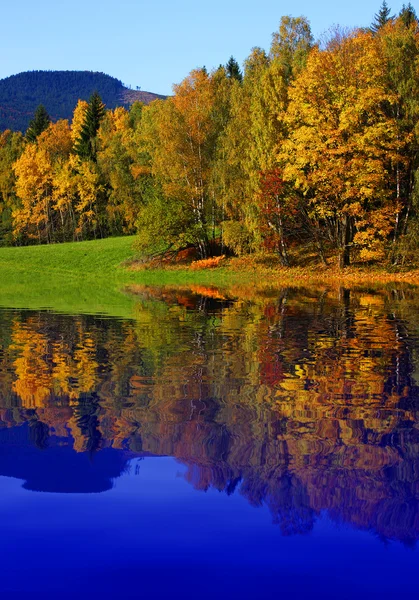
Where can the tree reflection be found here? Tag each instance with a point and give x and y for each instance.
(304, 402)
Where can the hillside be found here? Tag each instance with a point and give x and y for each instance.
(59, 92)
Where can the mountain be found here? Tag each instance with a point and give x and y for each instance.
(59, 92)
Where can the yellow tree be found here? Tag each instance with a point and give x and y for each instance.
(35, 170)
(64, 195)
(342, 142)
(88, 186)
(78, 120)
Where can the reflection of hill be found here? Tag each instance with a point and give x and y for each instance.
(305, 403)
(58, 468)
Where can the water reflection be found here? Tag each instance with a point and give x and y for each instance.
(305, 402)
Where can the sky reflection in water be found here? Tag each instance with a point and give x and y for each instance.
(212, 448)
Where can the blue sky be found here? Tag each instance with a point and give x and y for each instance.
(154, 44)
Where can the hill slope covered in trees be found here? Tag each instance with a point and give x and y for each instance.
(59, 92)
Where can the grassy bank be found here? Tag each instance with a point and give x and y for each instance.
(74, 277)
(88, 277)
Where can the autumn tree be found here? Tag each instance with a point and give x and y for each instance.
(77, 121)
(119, 161)
(274, 210)
(342, 143)
(181, 138)
(36, 216)
(400, 51)
(92, 189)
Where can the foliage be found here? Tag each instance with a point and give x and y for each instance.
(180, 136)
(38, 124)
(11, 147)
(233, 70)
(86, 146)
(236, 237)
(342, 141)
(207, 263)
(381, 18)
(164, 224)
(408, 16)
(275, 209)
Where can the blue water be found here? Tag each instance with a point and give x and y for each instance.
(152, 533)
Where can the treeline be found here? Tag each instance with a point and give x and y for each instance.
(313, 144)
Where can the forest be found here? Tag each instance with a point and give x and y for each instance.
(313, 147)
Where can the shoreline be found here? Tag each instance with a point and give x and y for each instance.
(91, 277)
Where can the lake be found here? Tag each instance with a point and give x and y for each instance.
(213, 447)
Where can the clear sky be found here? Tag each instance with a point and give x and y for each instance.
(155, 44)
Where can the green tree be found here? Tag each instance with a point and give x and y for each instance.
(238, 171)
(39, 123)
(291, 45)
(181, 137)
(11, 147)
(86, 145)
(256, 131)
(381, 18)
(400, 54)
(408, 16)
(233, 69)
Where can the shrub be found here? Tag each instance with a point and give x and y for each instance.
(207, 263)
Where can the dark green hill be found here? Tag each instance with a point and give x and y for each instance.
(59, 92)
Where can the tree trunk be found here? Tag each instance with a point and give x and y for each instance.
(346, 239)
(283, 247)
(319, 244)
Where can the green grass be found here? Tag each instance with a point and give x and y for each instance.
(74, 277)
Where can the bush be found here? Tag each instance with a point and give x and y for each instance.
(207, 263)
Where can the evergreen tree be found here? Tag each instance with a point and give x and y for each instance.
(381, 18)
(39, 123)
(233, 69)
(408, 15)
(86, 145)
